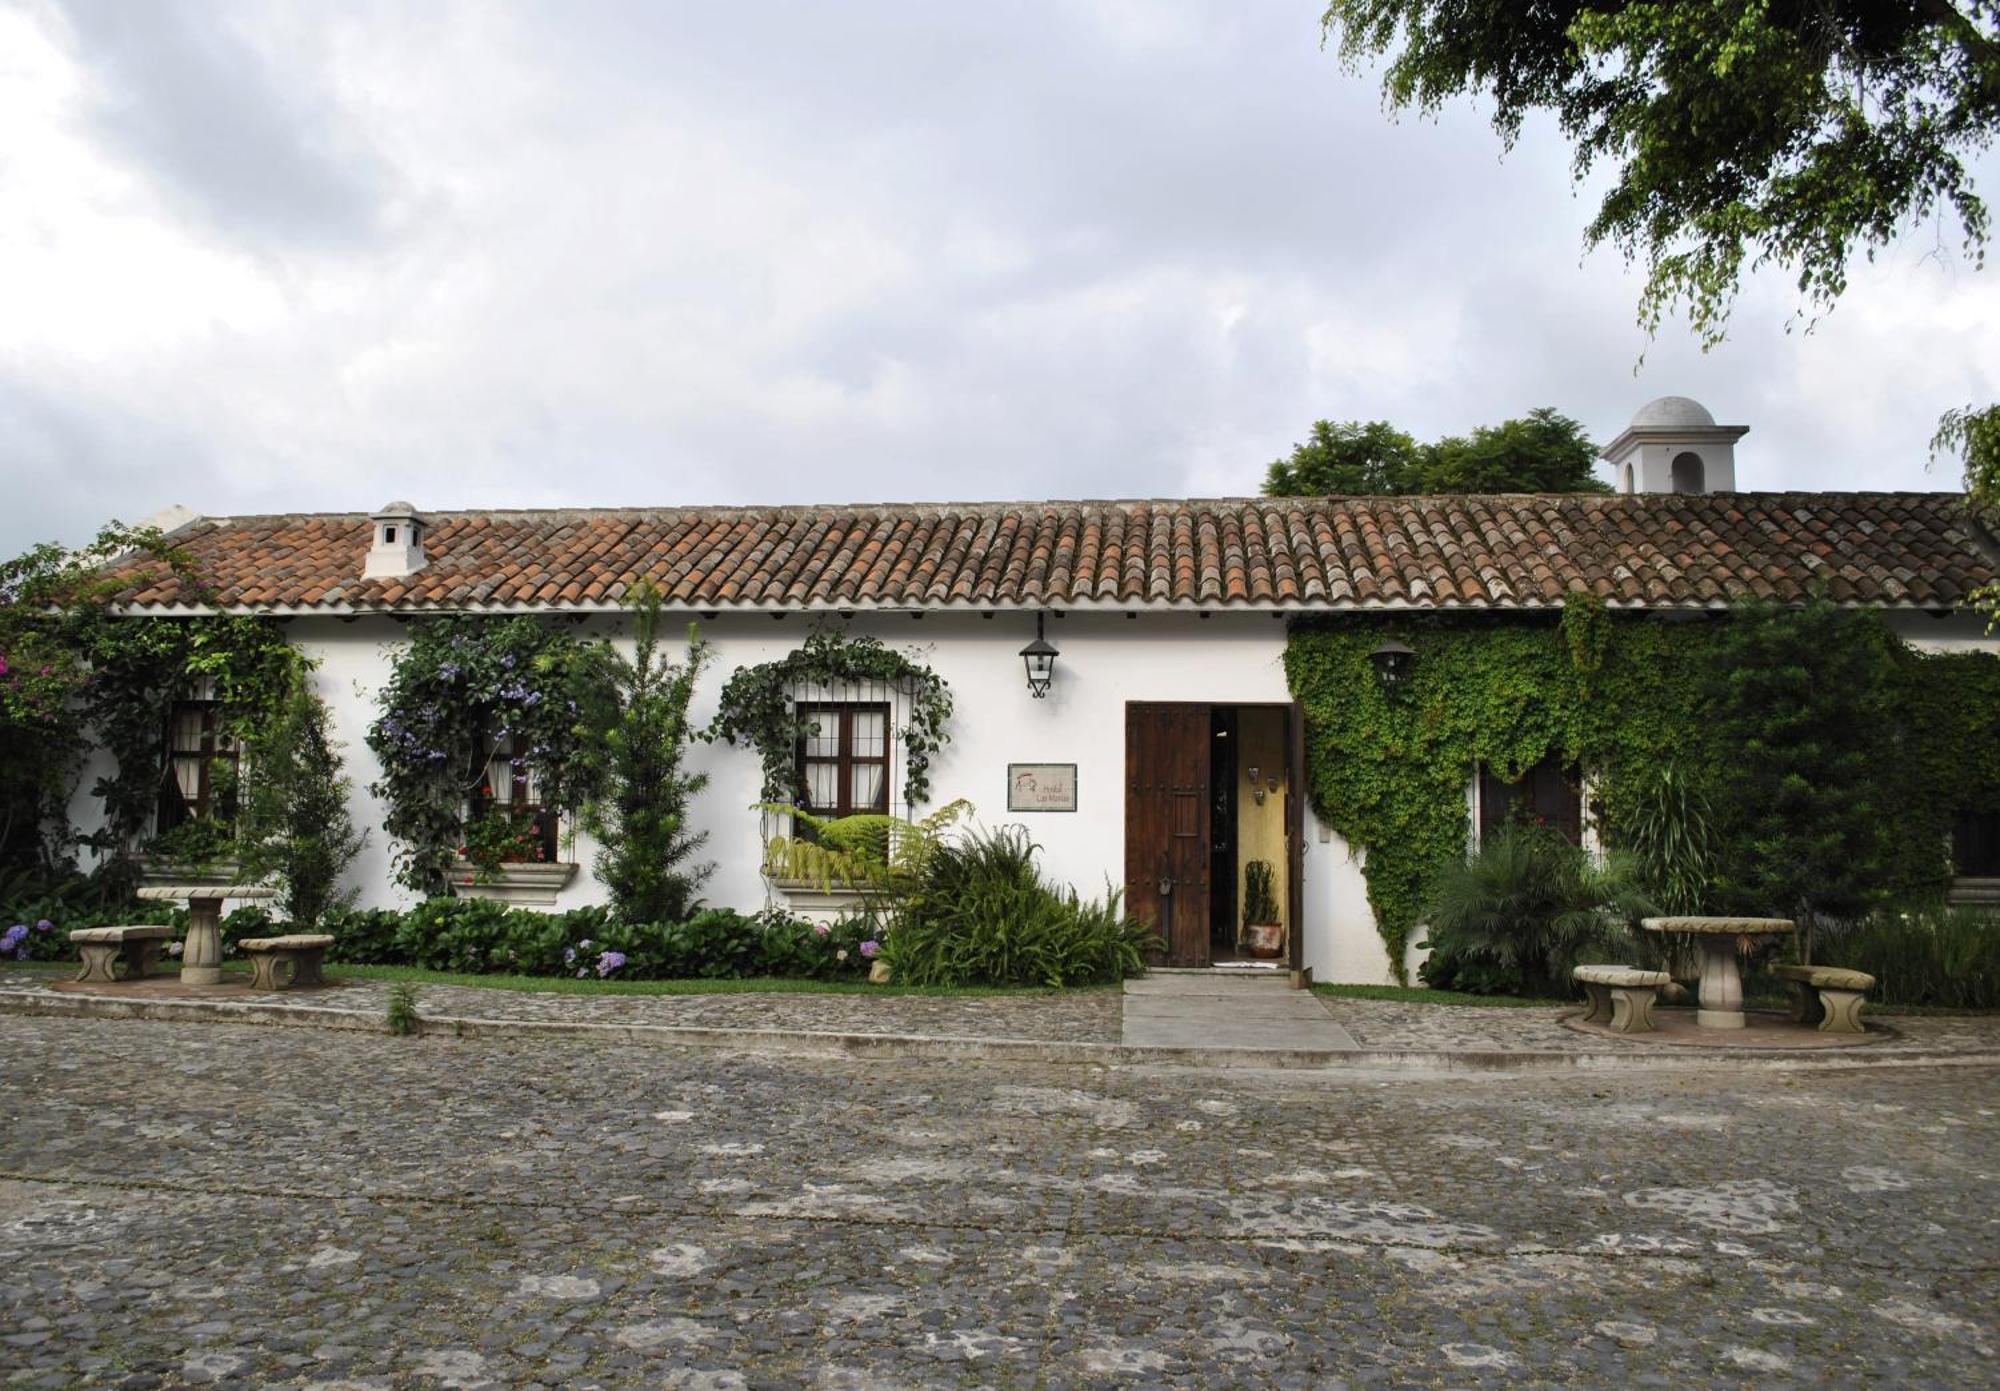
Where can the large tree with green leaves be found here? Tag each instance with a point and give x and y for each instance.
(1543, 452)
(1794, 133)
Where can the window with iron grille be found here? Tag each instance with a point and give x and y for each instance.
(512, 789)
(844, 761)
(1548, 794)
(201, 768)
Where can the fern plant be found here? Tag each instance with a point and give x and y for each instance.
(885, 857)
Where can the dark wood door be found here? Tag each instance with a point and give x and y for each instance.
(1166, 825)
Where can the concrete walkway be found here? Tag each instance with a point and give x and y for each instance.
(1227, 1009)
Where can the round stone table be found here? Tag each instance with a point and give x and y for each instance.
(201, 957)
(1721, 980)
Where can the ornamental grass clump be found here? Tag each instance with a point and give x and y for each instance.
(1938, 956)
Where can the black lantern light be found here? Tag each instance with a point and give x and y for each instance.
(1040, 657)
(1393, 661)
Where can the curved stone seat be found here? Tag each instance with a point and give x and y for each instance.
(1621, 997)
(1829, 996)
(303, 949)
(101, 947)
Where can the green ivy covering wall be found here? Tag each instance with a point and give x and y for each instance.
(1611, 693)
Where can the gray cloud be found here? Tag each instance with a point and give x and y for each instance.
(254, 152)
(791, 252)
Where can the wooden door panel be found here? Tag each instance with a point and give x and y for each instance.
(1166, 824)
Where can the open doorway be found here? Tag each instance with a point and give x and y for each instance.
(1212, 817)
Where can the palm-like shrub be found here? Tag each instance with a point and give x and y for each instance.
(1517, 915)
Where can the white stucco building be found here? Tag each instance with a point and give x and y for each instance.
(1169, 617)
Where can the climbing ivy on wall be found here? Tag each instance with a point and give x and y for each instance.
(759, 706)
(1614, 694)
(461, 688)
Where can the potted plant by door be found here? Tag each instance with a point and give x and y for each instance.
(1263, 933)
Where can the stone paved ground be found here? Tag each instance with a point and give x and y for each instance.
(1389, 1025)
(1071, 1016)
(215, 1204)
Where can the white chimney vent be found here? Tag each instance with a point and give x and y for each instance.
(1673, 445)
(399, 543)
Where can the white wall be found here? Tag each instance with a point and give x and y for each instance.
(1107, 660)
(1954, 632)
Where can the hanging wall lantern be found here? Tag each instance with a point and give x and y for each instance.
(1040, 658)
(1393, 662)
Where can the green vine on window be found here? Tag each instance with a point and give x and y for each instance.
(139, 668)
(460, 691)
(1615, 694)
(759, 706)
(75, 673)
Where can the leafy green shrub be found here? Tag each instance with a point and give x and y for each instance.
(364, 935)
(801, 950)
(1514, 918)
(63, 902)
(478, 937)
(247, 921)
(983, 916)
(1940, 956)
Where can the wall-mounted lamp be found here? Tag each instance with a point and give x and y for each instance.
(1040, 659)
(1393, 662)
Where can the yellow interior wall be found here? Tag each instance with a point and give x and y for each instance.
(1260, 830)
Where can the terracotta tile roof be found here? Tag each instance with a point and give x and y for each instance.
(1914, 550)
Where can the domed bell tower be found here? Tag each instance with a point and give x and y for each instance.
(1673, 445)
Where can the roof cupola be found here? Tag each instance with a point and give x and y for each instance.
(1673, 445)
(398, 547)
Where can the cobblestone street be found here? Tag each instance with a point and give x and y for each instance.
(214, 1204)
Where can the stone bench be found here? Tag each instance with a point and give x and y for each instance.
(1620, 996)
(101, 947)
(1829, 996)
(303, 949)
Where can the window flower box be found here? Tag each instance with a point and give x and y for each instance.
(158, 869)
(528, 883)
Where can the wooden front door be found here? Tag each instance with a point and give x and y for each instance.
(1166, 825)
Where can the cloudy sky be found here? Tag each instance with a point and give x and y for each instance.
(302, 256)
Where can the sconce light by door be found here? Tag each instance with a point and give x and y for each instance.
(1039, 657)
(1393, 662)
